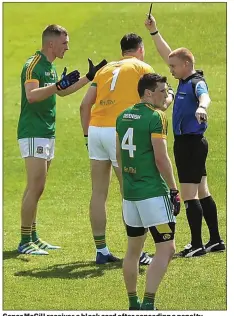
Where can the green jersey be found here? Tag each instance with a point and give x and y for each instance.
(37, 119)
(135, 127)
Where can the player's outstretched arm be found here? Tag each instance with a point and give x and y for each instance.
(85, 108)
(84, 80)
(161, 45)
(34, 93)
(73, 88)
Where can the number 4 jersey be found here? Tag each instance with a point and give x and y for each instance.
(135, 127)
(116, 89)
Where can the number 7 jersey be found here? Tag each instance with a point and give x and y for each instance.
(135, 127)
(116, 89)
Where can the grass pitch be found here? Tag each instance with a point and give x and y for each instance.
(68, 279)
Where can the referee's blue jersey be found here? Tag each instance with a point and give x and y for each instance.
(186, 103)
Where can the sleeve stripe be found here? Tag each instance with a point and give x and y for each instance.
(155, 135)
(31, 67)
(164, 122)
(31, 80)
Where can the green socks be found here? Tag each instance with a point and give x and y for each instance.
(134, 302)
(25, 235)
(28, 234)
(34, 232)
(148, 301)
(100, 241)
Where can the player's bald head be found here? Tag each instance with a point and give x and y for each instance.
(52, 31)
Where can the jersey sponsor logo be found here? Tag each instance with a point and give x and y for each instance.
(132, 116)
(181, 95)
(107, 102)
(47, 73)
(166, 236)
(48, 84)
(130, 170)
(39, 150)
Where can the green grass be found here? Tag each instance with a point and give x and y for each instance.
(68, 279)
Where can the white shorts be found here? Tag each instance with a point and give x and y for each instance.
(37, 147)
(149, 212)
(102, 144)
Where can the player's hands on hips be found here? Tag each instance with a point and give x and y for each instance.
(151, 23)
(93, 69)
(201, 115)
(67, 80)
(175, 200)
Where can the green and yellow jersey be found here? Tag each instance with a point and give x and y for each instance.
(135, 127)
(37, 119)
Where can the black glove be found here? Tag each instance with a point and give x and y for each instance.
(93, 69)
(175, 200)
(170, 91)
(67, 80)
(86, 140)
(64, 72)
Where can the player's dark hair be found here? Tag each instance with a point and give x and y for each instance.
(53, 30)
(130, 42)
(150, 82)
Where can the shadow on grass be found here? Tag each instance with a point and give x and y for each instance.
(73, 270)
(13, 254)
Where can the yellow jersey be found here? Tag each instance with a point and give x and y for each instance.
(116, 89)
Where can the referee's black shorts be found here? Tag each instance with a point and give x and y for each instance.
(190, 153)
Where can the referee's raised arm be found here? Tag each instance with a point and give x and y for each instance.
(161, 45)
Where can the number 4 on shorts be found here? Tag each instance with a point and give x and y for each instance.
(127, 142)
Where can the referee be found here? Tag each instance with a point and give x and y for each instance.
(190, 146)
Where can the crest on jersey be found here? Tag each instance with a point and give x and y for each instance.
(53, 75)
(39, 150)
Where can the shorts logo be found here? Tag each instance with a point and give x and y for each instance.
(166, 236)
(39, 150)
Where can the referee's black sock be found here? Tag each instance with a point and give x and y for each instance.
(194, 216)
(211, 217)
